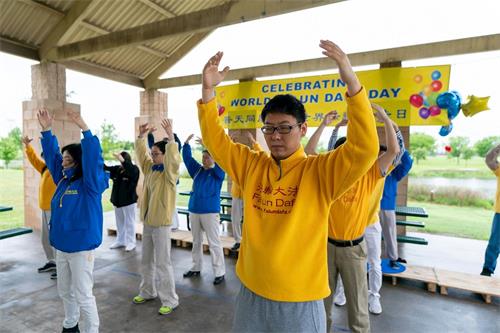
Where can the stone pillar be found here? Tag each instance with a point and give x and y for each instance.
(48, 85)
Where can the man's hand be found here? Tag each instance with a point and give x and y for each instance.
(167, 126)
(78, 120)
(199, 141)
(211, 76)
(45, 119)
(119, 157)
(380, 114)
(330, 117)
(152, 130)
(334, 52)
(343, 122)
(26, 140)
(188, 139)
(143, 129)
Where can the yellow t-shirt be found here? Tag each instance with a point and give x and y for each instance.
(349, 215)
(286, 203)
(497, 201)
(47, 185)
(235, 188)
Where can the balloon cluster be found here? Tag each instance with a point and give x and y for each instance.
(452, 101)
(427, 98)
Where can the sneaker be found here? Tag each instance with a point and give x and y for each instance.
(165, 310)
(401, 260)
(218, 279)
(116, 245)
(130, 247)
(139, 299)
(174, 229)
(73, 329)
(235, 247)
(486, 272)
(393, 264)
(339, 300)
(374, 305)
(190, 274)
(53, 276)
(50, 266)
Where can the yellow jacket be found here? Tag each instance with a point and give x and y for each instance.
(47, 186)
(159, 188)
(235, 188)
(286, 203)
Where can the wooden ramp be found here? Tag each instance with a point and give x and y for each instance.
(183, 238)
(484, 285)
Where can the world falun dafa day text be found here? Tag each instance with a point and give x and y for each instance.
(240, 104)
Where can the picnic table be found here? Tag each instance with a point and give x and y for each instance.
(413, 212)
(223, 195)
(5, 208)
(15, 231)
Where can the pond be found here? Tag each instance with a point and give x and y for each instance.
(486, 186)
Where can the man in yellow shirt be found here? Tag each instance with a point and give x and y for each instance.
(349, 217)
(491, 255)
(287, 196)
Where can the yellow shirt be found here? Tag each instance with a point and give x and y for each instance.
(378, 190)
(47, 186)
(497, 201)
(235, 188)
(286, 203)
(349, 215)
(158, 192)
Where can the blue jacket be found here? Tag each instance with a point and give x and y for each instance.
(388, 201)
(205, 194)
(76, 219)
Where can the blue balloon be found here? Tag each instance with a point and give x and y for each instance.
(436, 75)
(448, 99)
(453, 111)
(445, 130)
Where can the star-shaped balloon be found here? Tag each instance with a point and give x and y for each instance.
(475, 105)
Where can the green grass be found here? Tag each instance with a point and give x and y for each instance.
(442, 166)
(467, 222)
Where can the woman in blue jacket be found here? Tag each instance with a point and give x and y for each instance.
(76, 221)
(204, 208)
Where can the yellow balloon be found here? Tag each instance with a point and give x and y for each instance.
(475, 105)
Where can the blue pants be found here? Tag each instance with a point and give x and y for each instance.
(491, 255)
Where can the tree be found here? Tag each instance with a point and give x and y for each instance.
(109, 140)
(467, 154)
(8, 150)
(458, 145)
(16, 135)
(422, 145)
(484, 145)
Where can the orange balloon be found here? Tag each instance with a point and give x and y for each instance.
(427, 90)
(417, 78)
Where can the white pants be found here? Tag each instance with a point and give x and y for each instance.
(236, 215)
(156, 245)
(389, 229)
(175, 220)
(373, 236)
(47, 248)
(74, 284)
(210, 224)
(125, 225)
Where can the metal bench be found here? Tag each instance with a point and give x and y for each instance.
(14, 232)
(416, 224)
(412, 240)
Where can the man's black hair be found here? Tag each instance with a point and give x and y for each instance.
(160, 145)
(126, 156)
(75, 151)
(287, 104)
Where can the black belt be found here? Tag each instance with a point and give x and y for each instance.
(346, 243)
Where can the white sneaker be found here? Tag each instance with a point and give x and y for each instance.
(130, 247)
(374, 305)
(116, 245)
(339, 299)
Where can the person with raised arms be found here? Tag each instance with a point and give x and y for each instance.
(287, 195)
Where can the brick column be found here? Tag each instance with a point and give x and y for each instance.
(48, 85)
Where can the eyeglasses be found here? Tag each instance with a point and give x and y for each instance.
(156, 154)
(282, 129)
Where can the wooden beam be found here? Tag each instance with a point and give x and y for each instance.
(180, 52)
(65, 26)
(405, 53)
(104, 72)
(158, 8)
(231, 12)
(18, 48)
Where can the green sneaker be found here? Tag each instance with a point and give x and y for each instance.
(139, 299)
(165, 310)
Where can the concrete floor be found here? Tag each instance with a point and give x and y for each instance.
(29, 301)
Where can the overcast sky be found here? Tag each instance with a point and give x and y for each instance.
(356, 25)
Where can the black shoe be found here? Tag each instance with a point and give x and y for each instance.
(73, 329)
(189, 274)
(401, 260)
(486, 272)
(50, 266)
(235, 247)
(53, 276)
(218, 279)
(393, 264)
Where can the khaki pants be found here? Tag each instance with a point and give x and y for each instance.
(47, 248)
(236, 215)
(390, 233)
(156, 245)
(210, 224)
(350, 263)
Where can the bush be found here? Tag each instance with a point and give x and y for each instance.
(452, 196)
